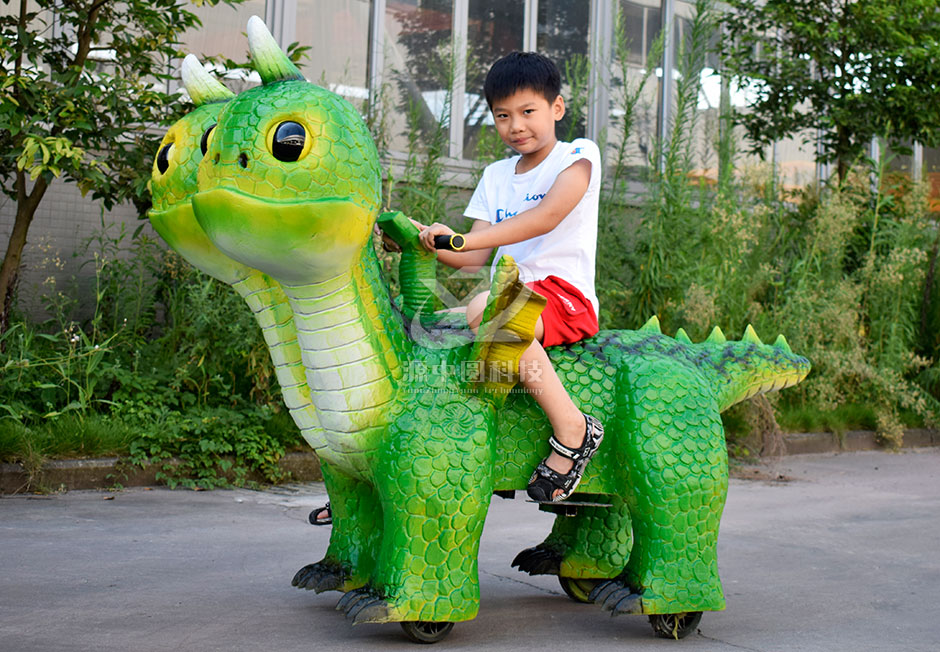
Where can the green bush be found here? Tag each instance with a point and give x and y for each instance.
(170, 368)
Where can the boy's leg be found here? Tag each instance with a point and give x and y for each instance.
(539, 378)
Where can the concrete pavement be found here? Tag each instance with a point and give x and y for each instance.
(841, 556)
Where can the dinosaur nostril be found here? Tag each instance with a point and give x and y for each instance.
(216, 159)
(243, 160)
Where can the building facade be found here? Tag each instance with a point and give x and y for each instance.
(426, 59)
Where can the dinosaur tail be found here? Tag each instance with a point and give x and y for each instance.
(749, 367)
(738, 370)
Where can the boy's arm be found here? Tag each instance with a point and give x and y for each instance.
(561, 198)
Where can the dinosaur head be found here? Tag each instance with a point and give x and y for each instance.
(173, 178)
(290, 183)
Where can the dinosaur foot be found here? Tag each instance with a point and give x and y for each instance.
(364, 605)
(321, 576)
(539, 560)
(617, 597)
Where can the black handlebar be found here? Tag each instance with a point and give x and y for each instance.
(449, 242)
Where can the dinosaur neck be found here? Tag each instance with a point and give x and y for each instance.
(351, 347)
(273, 313)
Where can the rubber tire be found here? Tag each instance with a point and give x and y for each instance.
(675, 626)
(578, 589)
(420, 631)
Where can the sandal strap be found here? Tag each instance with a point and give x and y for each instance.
(566, 482)
(593, 433)
(546, 480)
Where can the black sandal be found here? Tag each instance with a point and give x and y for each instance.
(545, 480)
(314, 516)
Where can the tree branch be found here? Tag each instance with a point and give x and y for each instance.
(20, 186)
(84, 38)
(18, 66)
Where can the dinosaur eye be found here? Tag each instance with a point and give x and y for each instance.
(289, 138)
(204, 142)
(163, 158)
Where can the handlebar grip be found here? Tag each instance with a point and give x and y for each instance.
(453, 242)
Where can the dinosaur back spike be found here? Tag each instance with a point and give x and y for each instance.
(652, 325)
(682, 336)
(202, 87)
(716, 336)
(268, 57)
(750, 335)
(781, 343)
(740, 370)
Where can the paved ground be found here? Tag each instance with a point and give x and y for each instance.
(842, 557)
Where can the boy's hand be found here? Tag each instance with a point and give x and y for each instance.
(427, 235)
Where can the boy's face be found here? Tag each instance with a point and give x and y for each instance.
(526, 121)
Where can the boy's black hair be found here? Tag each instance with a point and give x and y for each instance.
(522, 70)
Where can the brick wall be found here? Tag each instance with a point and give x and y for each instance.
(63, 224)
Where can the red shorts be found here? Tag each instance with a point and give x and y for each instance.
(568, 316)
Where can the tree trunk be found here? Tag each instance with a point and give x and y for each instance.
(842, 169)
(26, 206)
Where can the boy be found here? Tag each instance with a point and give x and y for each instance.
(540, 207)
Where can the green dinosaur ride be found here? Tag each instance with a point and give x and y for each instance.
(417, 424)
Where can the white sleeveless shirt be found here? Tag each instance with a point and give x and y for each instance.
(568, 251)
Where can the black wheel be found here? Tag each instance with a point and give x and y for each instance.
(419, 631)
(675, 626)
(578, 589)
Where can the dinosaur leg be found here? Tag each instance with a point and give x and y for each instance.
(595, 543)
(354, 539)
(435, 491)
(678, 475)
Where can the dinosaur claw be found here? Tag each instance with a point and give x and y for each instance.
(349, 597)
(614, 597)
(319, 577)
(600, 592)
(617, 597)
(629, 604)
(538, 561)
(371, 611)
(304, 575)
(300, 577)
(327, 583)
(357, 606)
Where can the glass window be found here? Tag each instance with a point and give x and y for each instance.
(222, 35)
(632, 144)
(642, 20)
(494, 29)
(563, 37)
(418, 65)
(900, 158)
(796, 161)
(13, 9)
(705, 123)
(337, 32)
